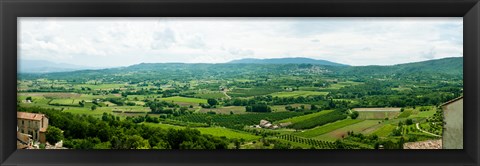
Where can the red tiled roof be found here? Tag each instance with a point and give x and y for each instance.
(29, 116)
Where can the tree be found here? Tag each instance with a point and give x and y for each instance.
(212, 102)
(409, 121)
(54, 134)
(354, 114)
(137, 142)
(94, 107)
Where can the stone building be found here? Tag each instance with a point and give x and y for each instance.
(453, 124)
(33, 124)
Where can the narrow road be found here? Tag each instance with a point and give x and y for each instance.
(418, 127)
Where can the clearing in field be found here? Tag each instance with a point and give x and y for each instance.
(377, 114)
(184, 99)
(298, 94)
(342, 132)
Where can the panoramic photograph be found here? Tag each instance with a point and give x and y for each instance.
(240, 83)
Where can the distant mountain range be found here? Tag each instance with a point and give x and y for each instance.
(297, 60)
(43, 66)
(452, 65)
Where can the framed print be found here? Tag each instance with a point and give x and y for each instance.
(239, 83)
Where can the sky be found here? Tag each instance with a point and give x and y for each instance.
(111, 42)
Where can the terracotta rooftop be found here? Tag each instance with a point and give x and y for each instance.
(29, 116)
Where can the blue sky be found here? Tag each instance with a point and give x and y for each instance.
(108, 42)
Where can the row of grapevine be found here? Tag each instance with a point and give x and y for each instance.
(236, 121)
(319, 144)
(319, 120)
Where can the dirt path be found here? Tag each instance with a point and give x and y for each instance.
(418, 127)
(225, 93)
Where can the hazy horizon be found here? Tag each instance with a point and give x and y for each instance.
(104, 67)
(116, 42)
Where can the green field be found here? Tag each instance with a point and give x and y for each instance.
(423, 114)
(213, 95)
(185, 99)
(64, 101)
(225, 110)
(248, 92)
(304, 117)
(385, 130)
(99, 86)
(215, 131)
(342, 132)
(341, 85)
(230, 134)
(405, 114)
(377, 114)
(327, 128)
(298, 93)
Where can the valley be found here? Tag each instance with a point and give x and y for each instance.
(220, 106)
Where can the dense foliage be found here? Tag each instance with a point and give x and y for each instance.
(109, 132)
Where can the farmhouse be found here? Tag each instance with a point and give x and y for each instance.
(267, 124)
(33, 124)
(453, 124)
(23, 140)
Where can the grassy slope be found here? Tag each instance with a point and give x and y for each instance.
(328, 128)
(305, 117)
(357, 128)
(215, 131)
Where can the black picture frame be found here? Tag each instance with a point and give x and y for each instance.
(11, 9)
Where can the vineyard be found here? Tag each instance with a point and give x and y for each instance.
(319, 144)
(236, 121)
(319, 120)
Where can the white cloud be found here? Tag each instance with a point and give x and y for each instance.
(125, 41)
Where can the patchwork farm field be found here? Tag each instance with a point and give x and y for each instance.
(317, 131)
(342, 132)
(378, 114)
(238, 106)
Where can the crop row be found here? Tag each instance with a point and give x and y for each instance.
(236, 121)
(319, 144)
(319, 120)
